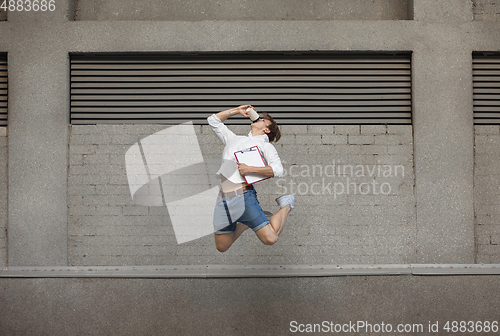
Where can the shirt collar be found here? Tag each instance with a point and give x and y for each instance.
(262, 137)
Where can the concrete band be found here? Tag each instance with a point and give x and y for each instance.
(248, 271)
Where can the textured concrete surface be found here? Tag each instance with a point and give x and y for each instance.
(231, 10)
(3, 196)
(443, 131)
(486, 10)
(442, 10)
(354, 200)
(487, 193)
(241, 306)
(442, 37)
(444, 179)
(38, 138)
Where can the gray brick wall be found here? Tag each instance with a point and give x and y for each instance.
(486, 10)
(487, 193)
(3, 196)
(362, 224)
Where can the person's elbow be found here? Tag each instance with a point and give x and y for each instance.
(213, 121)
(277, 170)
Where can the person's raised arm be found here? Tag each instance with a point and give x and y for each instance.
(224, 115)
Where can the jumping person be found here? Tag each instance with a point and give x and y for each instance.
(237, 207)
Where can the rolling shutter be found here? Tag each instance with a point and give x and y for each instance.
(3, 90)
(295, 88)
(486, 73)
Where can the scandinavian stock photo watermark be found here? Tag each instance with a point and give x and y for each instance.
(339, 178)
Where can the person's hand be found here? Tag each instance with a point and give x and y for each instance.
(244, 169)
(243, 110)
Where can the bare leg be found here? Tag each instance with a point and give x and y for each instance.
(269, 234)
(278, 220)
(224, 241)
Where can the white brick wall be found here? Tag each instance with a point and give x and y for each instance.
(106, 228)
(487, 193)
(3, 196)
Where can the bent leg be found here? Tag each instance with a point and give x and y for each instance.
(269, 234)
(224, 241)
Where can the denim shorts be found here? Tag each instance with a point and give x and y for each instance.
(244, 208)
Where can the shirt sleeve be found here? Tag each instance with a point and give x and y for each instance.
(273, 160)
(221, 130)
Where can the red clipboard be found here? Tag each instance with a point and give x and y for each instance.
(251, 157)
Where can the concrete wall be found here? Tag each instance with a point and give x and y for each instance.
(333, 221)
(231, 10)
(241, 306)
(487, 193)
(41, 149)
(3, 196)
(486, 10)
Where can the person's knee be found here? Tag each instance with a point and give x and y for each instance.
(269, 239)
(222, 247)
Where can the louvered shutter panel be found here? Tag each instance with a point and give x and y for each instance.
(295, 88)
(486, 73)
(3, 90)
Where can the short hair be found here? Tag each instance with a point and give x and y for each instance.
(274, 131)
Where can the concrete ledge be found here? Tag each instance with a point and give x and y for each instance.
(455, 269)
(182, 271)
(230, 271)
(247, 271)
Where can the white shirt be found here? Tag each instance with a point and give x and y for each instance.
(234, 143)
